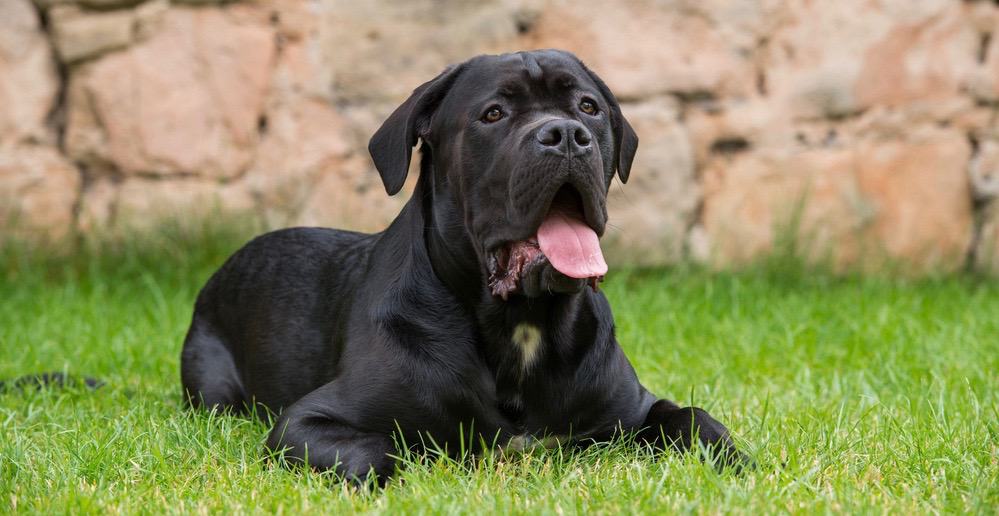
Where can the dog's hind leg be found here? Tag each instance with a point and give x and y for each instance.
(208, 372)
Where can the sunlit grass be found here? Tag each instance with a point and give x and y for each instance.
(854, 394)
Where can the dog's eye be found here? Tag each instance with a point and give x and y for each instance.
(588, 106)
(494, 114)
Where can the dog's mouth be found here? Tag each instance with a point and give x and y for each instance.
(564, 240)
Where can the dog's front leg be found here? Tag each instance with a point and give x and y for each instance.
(310, 433)
(669, 425)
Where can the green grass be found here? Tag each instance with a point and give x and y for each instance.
(854, 394)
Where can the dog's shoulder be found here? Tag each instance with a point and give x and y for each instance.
(303, 239)
(301, 246)
(290, 260)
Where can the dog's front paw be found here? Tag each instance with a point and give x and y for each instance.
(669, 425)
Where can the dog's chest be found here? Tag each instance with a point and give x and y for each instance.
(526, 341)
(520, 397)
(520, 354)
(527, 347)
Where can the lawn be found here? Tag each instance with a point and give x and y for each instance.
(854, 394)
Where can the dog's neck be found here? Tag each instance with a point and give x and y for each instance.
(523, 331)
(449, 247)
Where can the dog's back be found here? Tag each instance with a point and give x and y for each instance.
(262, 294)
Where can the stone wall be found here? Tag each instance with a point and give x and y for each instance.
(868, 129)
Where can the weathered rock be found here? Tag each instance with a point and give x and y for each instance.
(651, 214)
(98, 200)
(983, 171)
(108, 4)
(187, 101)
(738, 126)
(38, 192)
(926, 61)
(199, 2)
(299, 21)
(148, 18)
(139, 203)
(305, 141)
(397, 45)
(80, 34)
(303, 137)
(880, 199)
(299, 72)
(143, 199)
(352, 197)
(28, 78)
(825, 60)
(919, 191)
(756, 201)
(642, 48)
(984, 82)
(45, 4)
(744, 23)
(987, 250)
(847, 124)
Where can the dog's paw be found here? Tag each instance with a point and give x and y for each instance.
(680, 428)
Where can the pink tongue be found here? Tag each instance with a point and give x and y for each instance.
(571, 246)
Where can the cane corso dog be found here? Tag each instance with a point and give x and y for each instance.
(474, 319)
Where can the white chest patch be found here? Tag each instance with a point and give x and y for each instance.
(527, 338)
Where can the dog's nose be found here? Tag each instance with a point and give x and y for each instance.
(566, 137)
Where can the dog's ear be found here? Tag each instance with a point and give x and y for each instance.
(627, 144)
(392, 145)
(625, 139)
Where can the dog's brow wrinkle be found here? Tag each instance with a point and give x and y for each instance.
(511, 89)
(566, 81)
(531, 65)
(538, 122)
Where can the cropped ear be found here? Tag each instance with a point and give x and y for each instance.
(625, 139)
(391, 147)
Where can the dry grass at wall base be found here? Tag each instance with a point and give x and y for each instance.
(856, 393)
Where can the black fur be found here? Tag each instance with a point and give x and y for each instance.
(356, 339)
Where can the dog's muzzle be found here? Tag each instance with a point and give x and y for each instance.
(563, 240)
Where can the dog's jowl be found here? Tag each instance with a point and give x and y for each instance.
(476, 311)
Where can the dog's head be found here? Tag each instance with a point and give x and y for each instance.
(527, 145)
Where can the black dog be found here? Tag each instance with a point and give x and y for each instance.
(474, 318)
